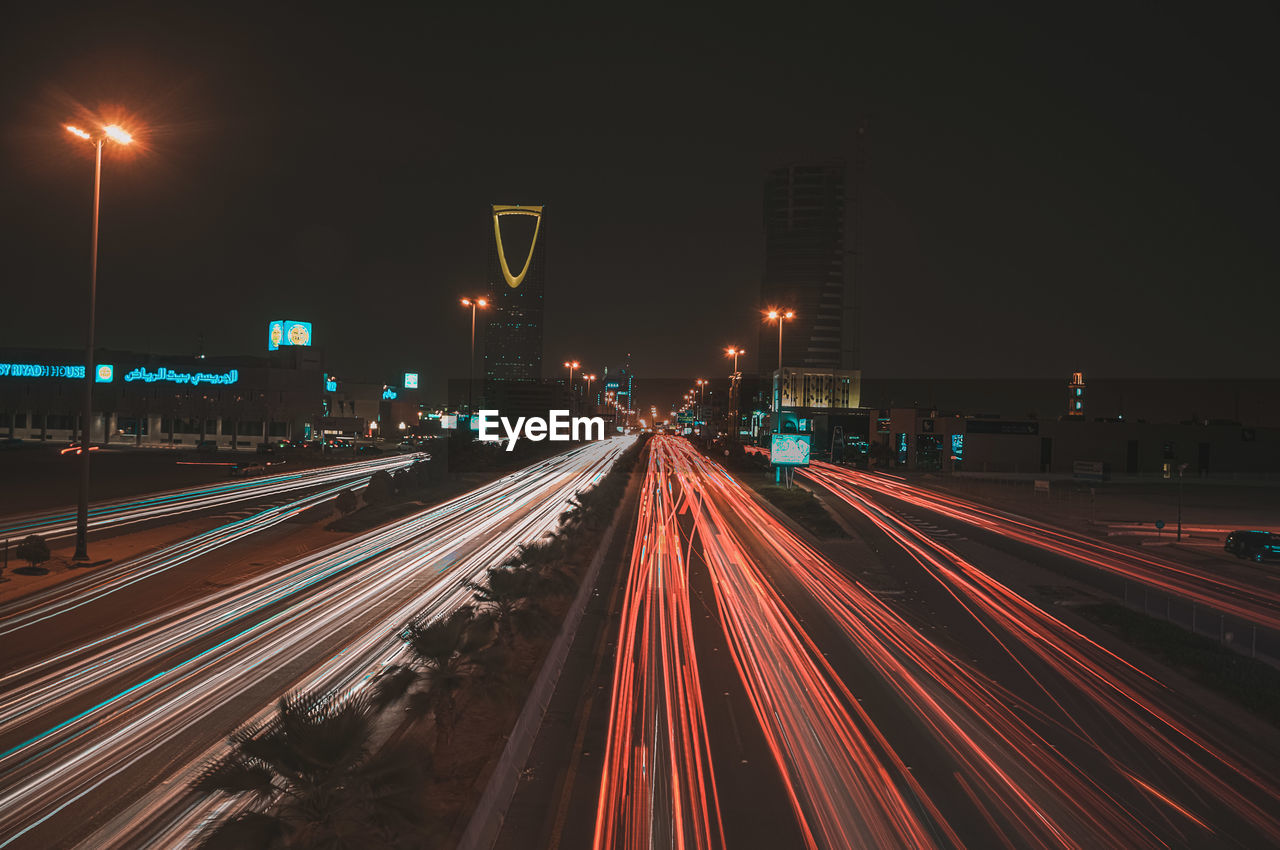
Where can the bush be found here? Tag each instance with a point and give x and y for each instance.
(34, 550)
(346, 502)
(381, 488)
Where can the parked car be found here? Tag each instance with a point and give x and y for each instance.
(1257, 546)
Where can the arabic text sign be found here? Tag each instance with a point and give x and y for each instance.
(171, 376)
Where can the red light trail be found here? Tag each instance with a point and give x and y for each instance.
(1032, 770)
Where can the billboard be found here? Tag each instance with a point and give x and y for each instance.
(410, 380)
(281, 332)
(789, 450)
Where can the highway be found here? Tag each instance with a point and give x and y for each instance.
(1240, 590)
(957, 714)
(98, 744)
(67, 601)
(119, 513)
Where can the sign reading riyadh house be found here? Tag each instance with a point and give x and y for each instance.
(789, 450)
(560, 428)
(103, 373)
(172, 376)
(281, 332)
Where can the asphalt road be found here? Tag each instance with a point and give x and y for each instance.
(761, 696)
(98, 744)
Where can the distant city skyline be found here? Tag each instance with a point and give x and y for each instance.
(1035, 197)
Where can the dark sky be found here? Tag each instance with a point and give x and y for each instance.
(1044, 189)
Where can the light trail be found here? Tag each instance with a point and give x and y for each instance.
(131, 721)
(53, 525)
(1129, 698)
(1248, 601)
(65, 598)
(844, 786)
(1076, 750)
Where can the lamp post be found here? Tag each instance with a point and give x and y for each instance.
(779, 316)
(589, 379)
(120, 137)
(571, 365)
(734, 390)
(473, 303)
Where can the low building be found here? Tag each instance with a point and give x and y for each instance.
(161, 400)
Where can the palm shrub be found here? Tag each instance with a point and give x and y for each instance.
(510, 595)
(449, 654)
(313, 780)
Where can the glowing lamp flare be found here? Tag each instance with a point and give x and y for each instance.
(76, 131)
(117, 134)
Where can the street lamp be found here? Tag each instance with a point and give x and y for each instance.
(571, 365)
(779, 316)
(473, 303)
(734, 352)
(589, 378)
(118, 135)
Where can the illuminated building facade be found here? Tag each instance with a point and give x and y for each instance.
(804, 269)
(517, 280)
(161, 400)
(1075, 395)
(619, 381)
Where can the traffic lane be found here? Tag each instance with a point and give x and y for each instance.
(1072, 722)
(1056, 567)
(154, 598)
(232, 493)
(239, 686)
(754, 807)
(930, 764)
(1239, 590)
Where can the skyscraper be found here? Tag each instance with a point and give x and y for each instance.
(517, 278)
(804, 269)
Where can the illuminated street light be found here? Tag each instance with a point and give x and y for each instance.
(735, 390)
(734, 352)
(589, 379)
(779, 316)
(119, 136)
(473, 303)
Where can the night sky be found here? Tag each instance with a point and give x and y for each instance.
(1041, 191)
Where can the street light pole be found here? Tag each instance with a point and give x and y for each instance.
(779, 316)
(571, 365)
(118, 135)
(473, 303)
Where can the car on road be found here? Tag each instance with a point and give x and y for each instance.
(1257, 546)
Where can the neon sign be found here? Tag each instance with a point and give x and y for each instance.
(388, 393)
(106, 373)
(515, 209)
(39, 370)
(330, 384)
(193, 378)
(410, 380)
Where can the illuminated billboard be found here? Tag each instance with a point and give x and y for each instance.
(410, 380)
(789, 450)
(106, 373)
(281, 332)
